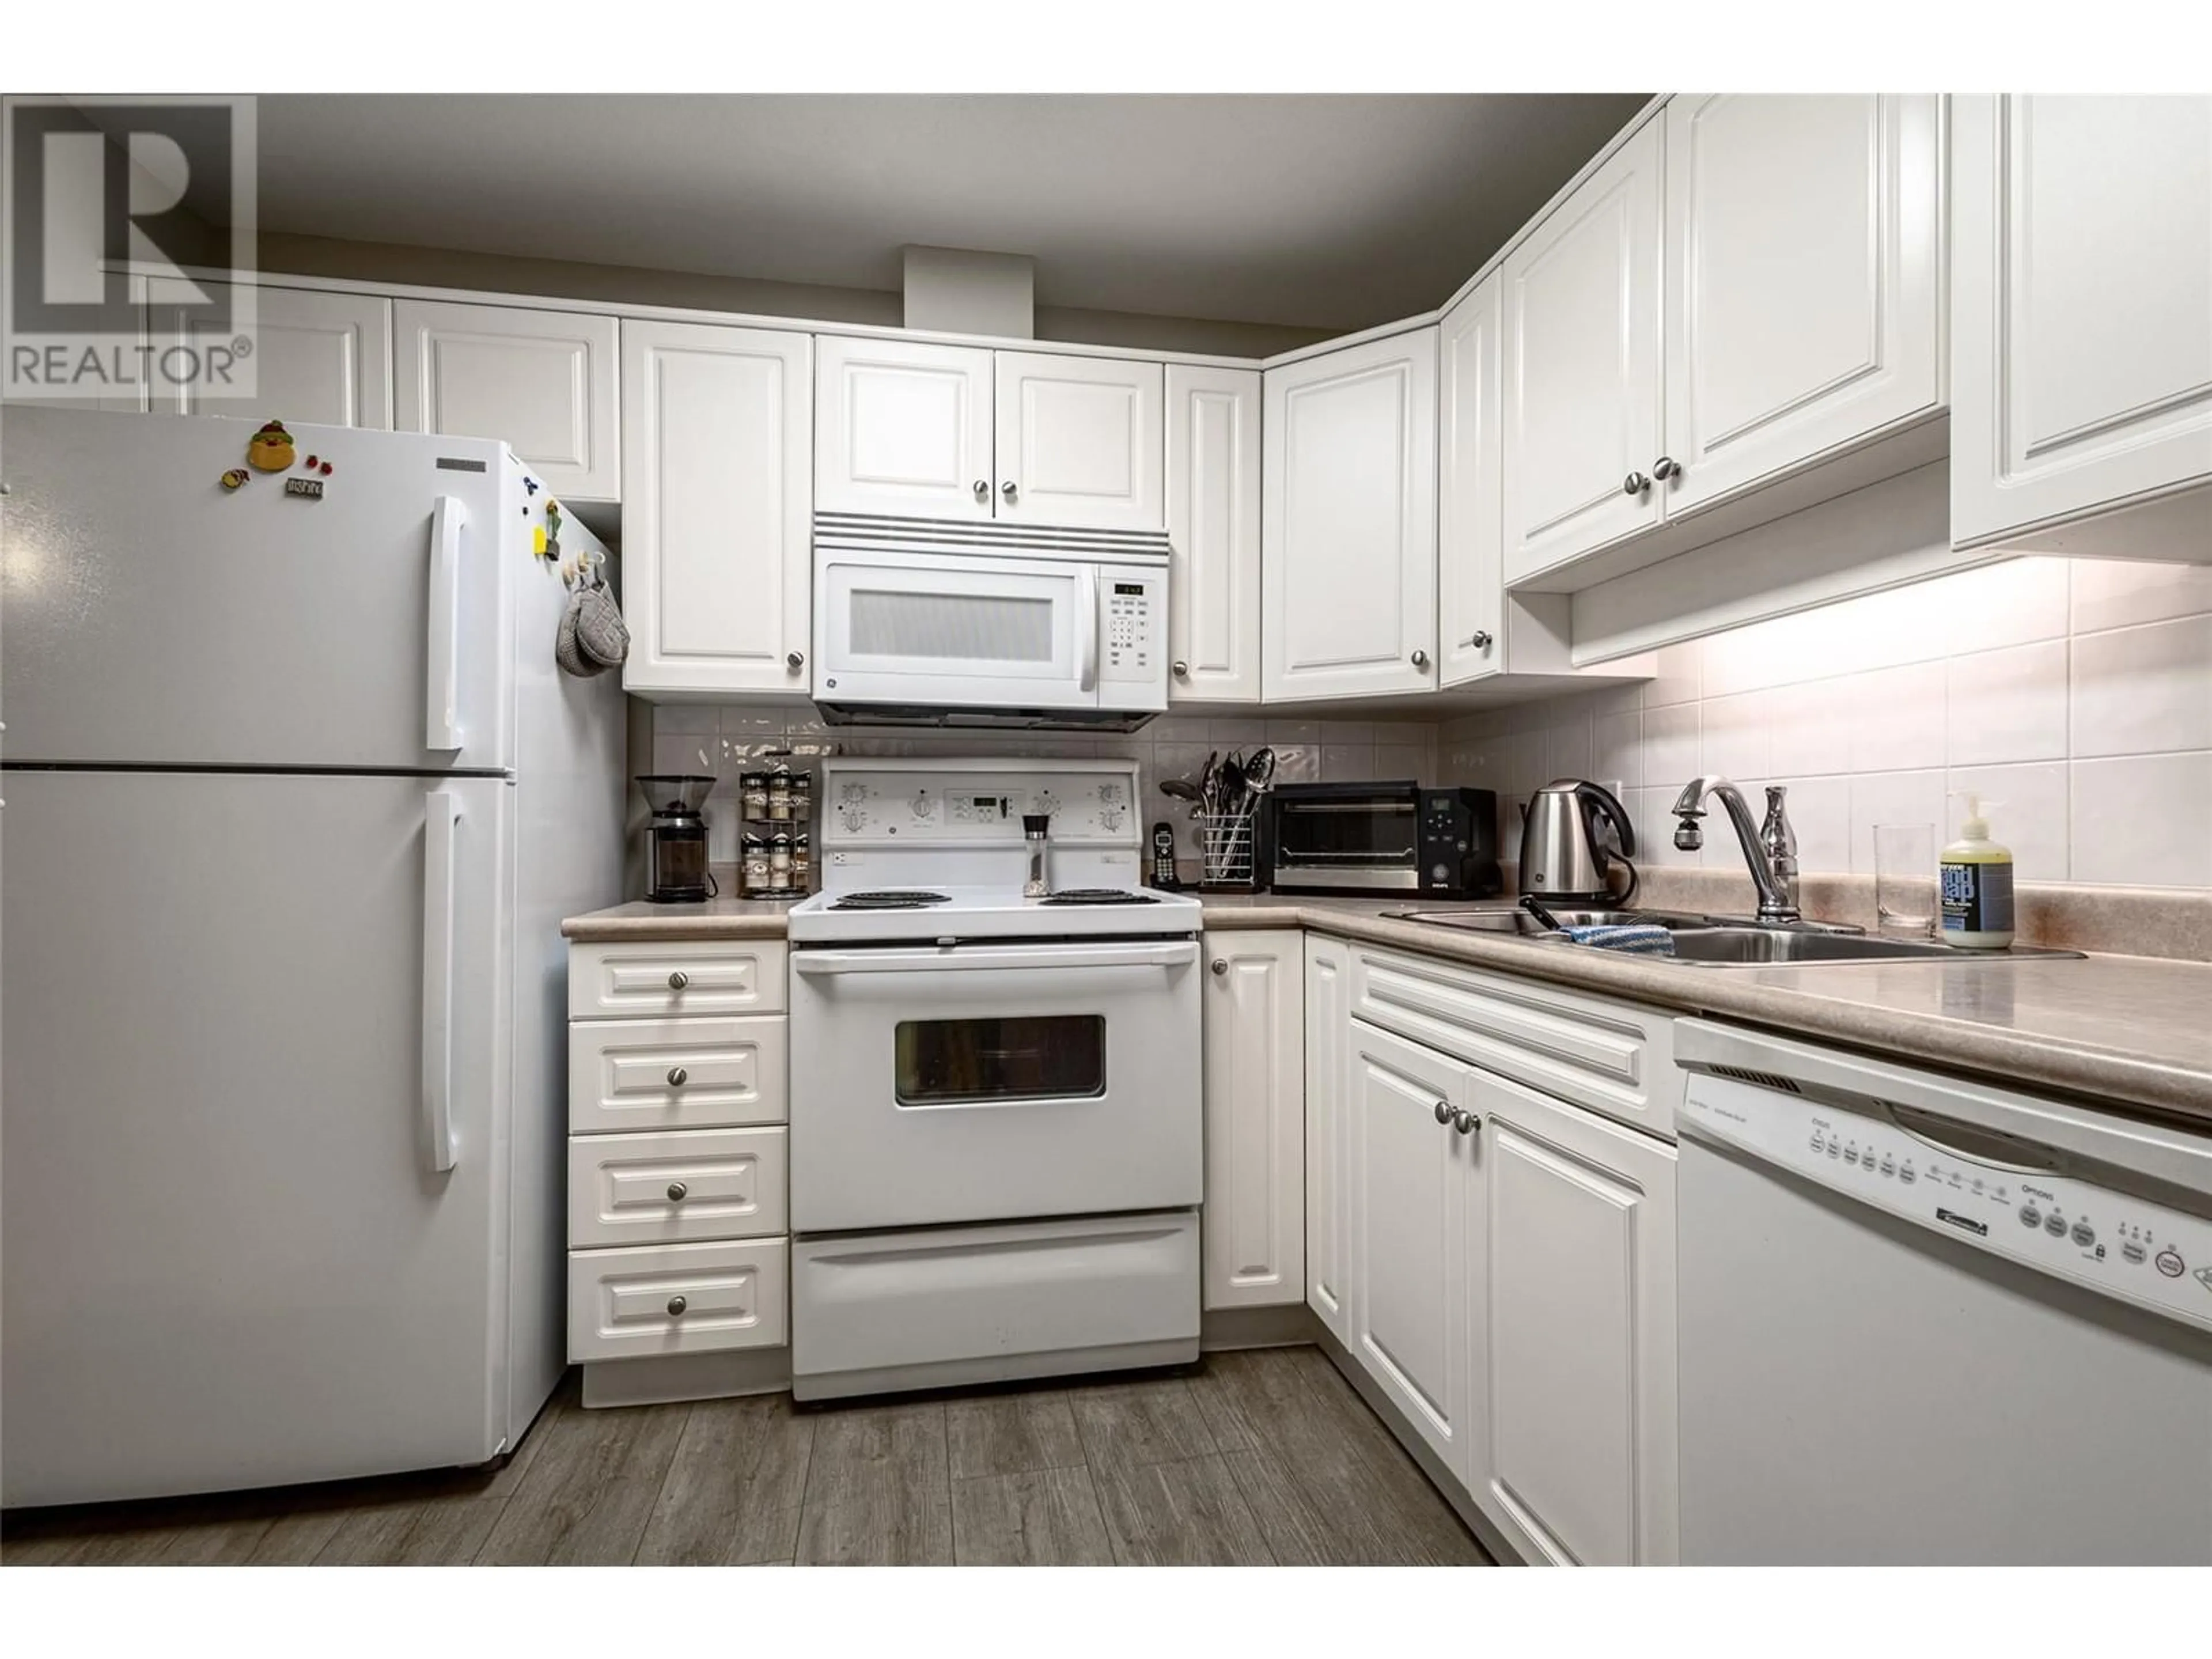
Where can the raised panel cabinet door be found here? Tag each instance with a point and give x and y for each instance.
(2081, 306)
(1253, 1233)
(544, 382)
(1804, 275)
(717, 563)
(1328, 1131)
(1470, 511)
(1408, 1247)
(319, 359)
(1582, 367)
(1348, 533)
(903, 428)
(1213, 533)
(1571, 1324)
(1080, 440)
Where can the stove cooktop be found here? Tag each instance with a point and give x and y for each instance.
(888, 899)
(1099, 896)
(955, 912)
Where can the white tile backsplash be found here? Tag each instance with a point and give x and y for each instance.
(2076, 692)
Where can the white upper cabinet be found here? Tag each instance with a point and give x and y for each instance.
(543, 381)
(1080, 441)
(1213, 533)
(903, 428)
(1408, 1258)
(1571, 1280)
(1328, 1131)
(319, 359)
(717, 516)
(1582, 365)
(1348, 537)
(2082, 324)
(1253, 1228)
(1804, 281)
(1470, 512)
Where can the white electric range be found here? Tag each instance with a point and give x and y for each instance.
(996, 1130)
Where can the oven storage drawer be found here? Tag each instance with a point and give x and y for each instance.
(667, 1188)
(677, 1298)
(977, 1301)
(676, 1073)
(698, 976)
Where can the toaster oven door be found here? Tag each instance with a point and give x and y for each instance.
(1369, 844)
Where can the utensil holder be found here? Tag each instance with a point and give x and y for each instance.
(1228, 853)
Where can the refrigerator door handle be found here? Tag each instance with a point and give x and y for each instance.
(442, 811)
(442, 726)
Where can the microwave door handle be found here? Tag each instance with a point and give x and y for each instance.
(1086, 587)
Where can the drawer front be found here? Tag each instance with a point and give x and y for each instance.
(1614, 1058)
(679, 1298)
(669, 1189)
(728, 976)
(676, 1073)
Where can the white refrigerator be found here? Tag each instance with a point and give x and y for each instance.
(294, 801)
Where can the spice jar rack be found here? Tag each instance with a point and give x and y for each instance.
(775, 833)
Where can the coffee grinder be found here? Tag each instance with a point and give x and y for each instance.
(676, 839)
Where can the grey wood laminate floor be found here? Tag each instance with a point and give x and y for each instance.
(1260, 1457)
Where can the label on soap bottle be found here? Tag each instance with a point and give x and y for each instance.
(1977, 898)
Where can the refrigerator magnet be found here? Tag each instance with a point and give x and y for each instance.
(270, 450)
(235, 477)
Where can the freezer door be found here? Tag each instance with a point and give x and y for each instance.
(155, 616)
(252, 1196)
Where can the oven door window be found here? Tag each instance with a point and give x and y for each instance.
(966, 1062)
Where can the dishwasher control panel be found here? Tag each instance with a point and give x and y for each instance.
(2113, 1242)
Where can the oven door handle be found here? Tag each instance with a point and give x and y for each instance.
(1173, 953)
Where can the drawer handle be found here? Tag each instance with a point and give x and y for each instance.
(676, 1307)
(677, 1077)
(1443, 1111)
(1465, 1122)
(677, 1192)
(678, 979)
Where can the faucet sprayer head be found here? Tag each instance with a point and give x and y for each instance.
(1689, 834)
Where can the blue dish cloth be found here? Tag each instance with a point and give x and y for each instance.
(1635, 940)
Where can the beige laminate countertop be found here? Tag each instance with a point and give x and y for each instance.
(2135, 1031)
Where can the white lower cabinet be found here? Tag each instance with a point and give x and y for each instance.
(1254, 1230)
(1407, 1257)
(664, 1300)
(1328, 1128)
(1571, 1329)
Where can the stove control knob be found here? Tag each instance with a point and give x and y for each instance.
(923, 807)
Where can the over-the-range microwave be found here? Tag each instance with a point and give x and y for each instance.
(922, 622)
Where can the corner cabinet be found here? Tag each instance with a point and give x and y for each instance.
(1213, 533)
(1254, 1230)
(717, 573)
(543, 381)
(1348, 534)
(2081, 326)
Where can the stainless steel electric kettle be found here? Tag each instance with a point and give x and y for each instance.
(1572, 834)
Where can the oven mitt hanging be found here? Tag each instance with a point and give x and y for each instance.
(592, 637)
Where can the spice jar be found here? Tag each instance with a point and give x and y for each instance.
(752, 787)
(802, 862)
(779, 797)
(754, 868)
(779, 861)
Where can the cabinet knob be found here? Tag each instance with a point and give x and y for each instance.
(677, 1304)
(1220, 966)
(1479, 639)
(678, 979)
(1443, 1111)
(1007, 489)
(1465, 1122)
(677, 1077)
(795, 661)
(982, 489)
(1182, 671)
(1419, 659)
(1666, 467)
(1635, 485)
(677, 1192)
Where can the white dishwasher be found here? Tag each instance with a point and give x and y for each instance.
(1926, 1320)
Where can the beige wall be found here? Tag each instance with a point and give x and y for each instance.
(431, 267)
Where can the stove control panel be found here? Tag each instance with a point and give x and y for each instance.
(890, 802)
(2112, 1241)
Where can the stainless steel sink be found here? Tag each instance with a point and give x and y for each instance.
(1519, 922)
(1763, 947)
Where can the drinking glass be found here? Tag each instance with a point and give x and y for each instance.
(1904, 880)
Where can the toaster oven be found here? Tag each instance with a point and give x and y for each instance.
(1384, 839)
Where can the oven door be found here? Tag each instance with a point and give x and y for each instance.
(931, 630)
(987, 1081)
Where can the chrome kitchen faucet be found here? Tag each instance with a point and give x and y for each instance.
(1771, 850)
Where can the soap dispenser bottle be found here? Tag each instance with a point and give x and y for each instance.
(1977, 881)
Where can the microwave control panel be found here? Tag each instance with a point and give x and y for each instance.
(1133, 607)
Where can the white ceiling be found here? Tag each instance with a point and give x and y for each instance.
(1328, 212)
